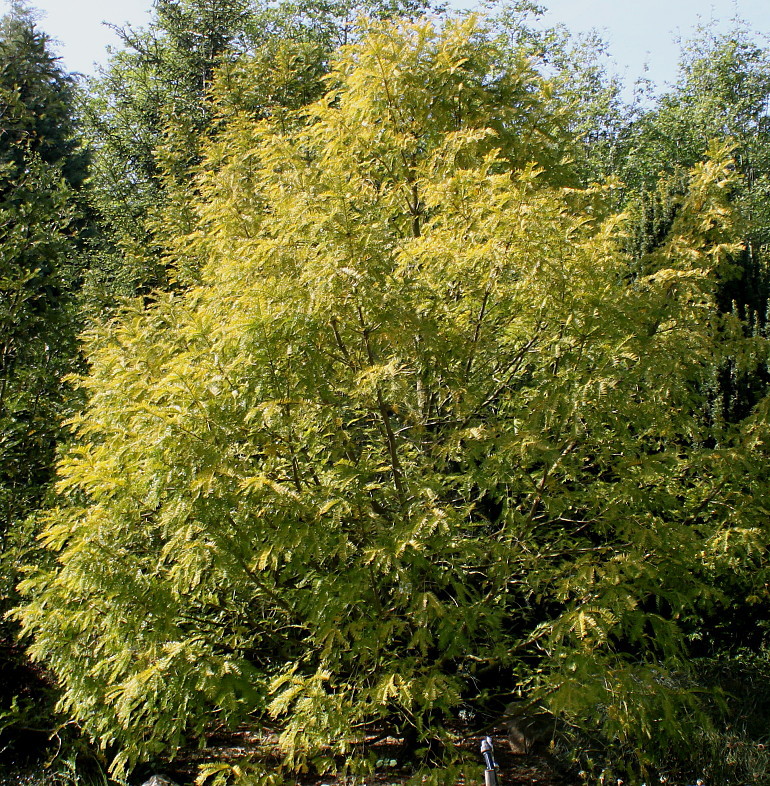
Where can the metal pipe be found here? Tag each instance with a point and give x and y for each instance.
(488, 752)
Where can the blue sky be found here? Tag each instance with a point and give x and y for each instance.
(640, 34)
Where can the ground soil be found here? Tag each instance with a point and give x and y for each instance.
(536, 769)
(42, 767)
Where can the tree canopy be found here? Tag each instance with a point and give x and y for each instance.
(424, 433)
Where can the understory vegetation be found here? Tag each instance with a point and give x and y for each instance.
(372, 370)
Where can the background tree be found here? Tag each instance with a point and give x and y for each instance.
(722, 93)
(581, 78)
(150, 115)
(146, 116)
(42, 171)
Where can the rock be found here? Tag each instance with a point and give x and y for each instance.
(529, 727)
(159, 780)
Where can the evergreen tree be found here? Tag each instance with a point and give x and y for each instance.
(41, 171)
(146, 117)
(37, 101)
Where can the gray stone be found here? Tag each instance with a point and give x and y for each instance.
(529, 727)
(159, 780)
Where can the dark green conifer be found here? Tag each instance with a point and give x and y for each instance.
(42, 169)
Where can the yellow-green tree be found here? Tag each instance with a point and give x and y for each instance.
(418, 427)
